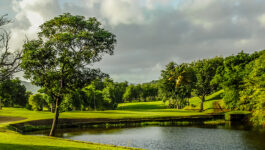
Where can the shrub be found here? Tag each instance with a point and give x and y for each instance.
(37, 102)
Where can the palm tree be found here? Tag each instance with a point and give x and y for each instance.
(183, 76)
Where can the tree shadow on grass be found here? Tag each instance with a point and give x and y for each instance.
(107, 112)
(4, 146)
(142, 106)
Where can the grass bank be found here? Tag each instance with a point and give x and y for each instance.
(141, 110)
(13, 140)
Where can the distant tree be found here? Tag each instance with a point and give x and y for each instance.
(184, 78)
(205, 71)
(253, 90)
(131, 93)
(78, 100)
(127, 96)
(49, 97)
(109, 96)
(37, 102)
(168, 86)
(231, 75)
(177, 82)
(94, 97)
(59, 59)
(138, 92)
(13, 93)
(111, 93)
(146, 89)
(9, 60)
(120, 89)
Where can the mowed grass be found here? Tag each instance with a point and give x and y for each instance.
(195, 104)
(143, 105)
(209, 101)
(111, 114)
(12, 140)
(124, 110)
(15, 141)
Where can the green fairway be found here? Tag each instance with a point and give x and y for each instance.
(208, 105)
(195, 104)
(12, 140)
(142, 105)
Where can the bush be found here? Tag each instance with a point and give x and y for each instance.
(37, 102)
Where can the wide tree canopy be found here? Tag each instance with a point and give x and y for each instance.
(60, 59)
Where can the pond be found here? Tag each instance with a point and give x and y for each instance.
(214, 137)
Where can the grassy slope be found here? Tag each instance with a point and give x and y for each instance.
(209, 101)
(142, 105)
(13, 140)
(195, 101)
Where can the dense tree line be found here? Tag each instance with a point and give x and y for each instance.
(141, 92)
(13, 93)
(100, 94)
(241, 76)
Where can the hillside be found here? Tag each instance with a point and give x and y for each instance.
(30, 87)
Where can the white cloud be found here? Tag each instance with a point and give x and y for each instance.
(261, 20)
(153, 4)
(193, 11)
(30, 14)
(122, 11)
(194, 5)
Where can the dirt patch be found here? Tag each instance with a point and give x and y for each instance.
(10, 119)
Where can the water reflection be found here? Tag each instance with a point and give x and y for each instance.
(210, 137)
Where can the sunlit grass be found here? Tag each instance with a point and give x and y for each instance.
(143, 105)
(13, 140)
(209, 100)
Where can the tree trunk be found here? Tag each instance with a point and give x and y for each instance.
(0, 104)
(52, 109)
(203, 99)
(55, 119)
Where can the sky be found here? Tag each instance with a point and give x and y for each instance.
(151, 33)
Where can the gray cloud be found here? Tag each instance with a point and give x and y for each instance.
(152, 34)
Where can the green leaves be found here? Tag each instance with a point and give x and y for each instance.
(12, 92)
(66, 46)
(177, 81)
(253, 90)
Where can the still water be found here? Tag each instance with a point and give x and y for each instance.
(220, 137)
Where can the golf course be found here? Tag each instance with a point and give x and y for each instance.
(10, 139)
(132, 74)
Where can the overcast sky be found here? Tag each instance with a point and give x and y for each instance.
(151, 33)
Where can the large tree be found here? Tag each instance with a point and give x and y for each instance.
(184, 77)
(9, 60)
(253, 91)
(60, 58)
(205, 71)
(168, 86)
(231, 76)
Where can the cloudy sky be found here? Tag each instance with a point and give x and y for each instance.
(150, 33)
